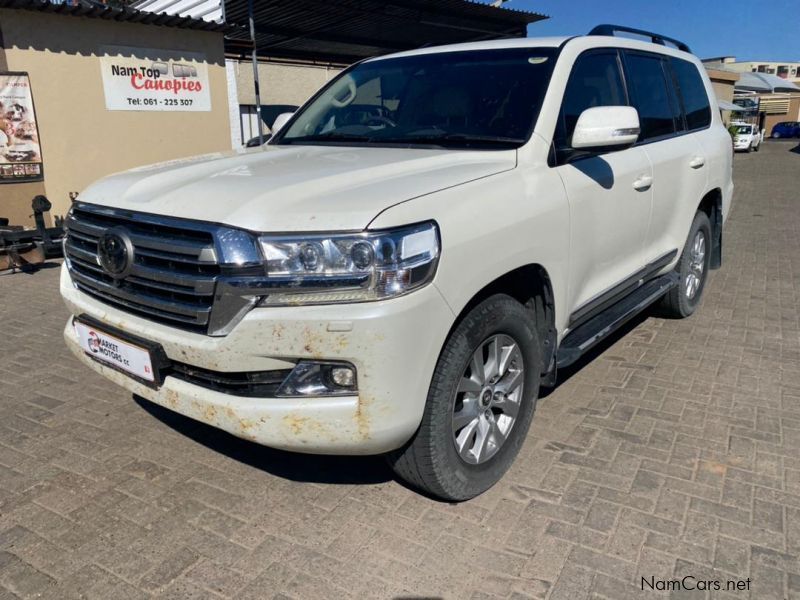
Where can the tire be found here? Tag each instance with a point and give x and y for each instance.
(431, 461)
(750, 148)
(757, 147)
(682, 300)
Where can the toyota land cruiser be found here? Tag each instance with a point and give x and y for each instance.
(415, 252)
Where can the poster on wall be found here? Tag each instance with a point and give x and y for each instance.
(146, 79)
(20, 151)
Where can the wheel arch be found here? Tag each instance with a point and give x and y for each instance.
(531, 286)
(711, 205)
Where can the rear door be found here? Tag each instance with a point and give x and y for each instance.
(674, 150)
(609, 192)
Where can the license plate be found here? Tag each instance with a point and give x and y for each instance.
(115, 352)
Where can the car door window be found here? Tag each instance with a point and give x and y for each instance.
(596, 80)
(651, 97)
(693, 93)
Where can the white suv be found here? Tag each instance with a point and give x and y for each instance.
(419, 249)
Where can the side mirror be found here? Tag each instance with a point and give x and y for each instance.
(282, 119)
(604, 126)
(256, 142)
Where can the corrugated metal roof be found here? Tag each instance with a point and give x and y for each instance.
(208, 10)
(96, 10)
(349, 30)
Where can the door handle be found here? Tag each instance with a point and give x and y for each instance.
(643, 183)
(697, 162)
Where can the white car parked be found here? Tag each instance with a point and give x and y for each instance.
(417, 250)
(746, 137)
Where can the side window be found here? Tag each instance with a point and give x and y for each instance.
(651, 97)
(693, 93)
(596, 80)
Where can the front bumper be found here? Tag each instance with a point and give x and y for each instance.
(393, 344)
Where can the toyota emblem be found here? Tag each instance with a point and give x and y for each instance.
(115, 252)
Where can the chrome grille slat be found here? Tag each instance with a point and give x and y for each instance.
(84, 255)
(181, 258)
(201, 285)
(196, 251)
(174, 274)
(135, 306)
(146, 300)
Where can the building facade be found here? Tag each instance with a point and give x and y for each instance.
(783, 69)
(96, 111)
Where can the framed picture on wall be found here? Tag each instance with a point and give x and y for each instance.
(20, 148)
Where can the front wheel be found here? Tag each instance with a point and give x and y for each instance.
(692, 268)
(479, 406)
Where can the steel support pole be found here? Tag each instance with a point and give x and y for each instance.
(256, 83)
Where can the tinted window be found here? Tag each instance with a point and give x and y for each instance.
(648, 85)
(693, 93)
(674, 98)
(596, 80)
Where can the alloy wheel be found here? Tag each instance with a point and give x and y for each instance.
(697, 264)
(488, 399)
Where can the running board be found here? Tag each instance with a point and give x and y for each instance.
(578, 341)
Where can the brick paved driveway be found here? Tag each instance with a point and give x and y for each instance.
(675, 451)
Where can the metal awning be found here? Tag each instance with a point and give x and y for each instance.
(764, 82)
(345, 31)
(93, 9)
(725, 105)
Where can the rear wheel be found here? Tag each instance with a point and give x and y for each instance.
(692, 268)
(479, 406)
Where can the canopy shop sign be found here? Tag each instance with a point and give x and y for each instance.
(154, 80)
(20, 151)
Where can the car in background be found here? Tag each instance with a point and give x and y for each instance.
(786, 129)
(746, 136)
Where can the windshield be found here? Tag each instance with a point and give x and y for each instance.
(744, 129)
(472, 99)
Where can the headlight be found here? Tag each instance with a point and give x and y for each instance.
(353, 267)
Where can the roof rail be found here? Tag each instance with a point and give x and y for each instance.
(656, 38)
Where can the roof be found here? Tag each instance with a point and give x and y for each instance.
(97, 10)
(345, 31)
(208, 10)
(764, 82)
(542, 42)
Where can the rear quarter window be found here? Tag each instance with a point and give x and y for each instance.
(693, 93)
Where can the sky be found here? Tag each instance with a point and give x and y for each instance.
(747, 29)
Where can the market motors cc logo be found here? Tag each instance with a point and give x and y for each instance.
(94, 342)
(115, 252)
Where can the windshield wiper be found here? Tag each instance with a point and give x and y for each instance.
(466, 138)
(330, 136)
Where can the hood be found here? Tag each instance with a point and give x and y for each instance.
(294, 188)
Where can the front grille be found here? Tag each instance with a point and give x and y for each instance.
(174, 272)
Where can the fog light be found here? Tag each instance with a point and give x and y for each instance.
(343, 376)
(319, 379)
